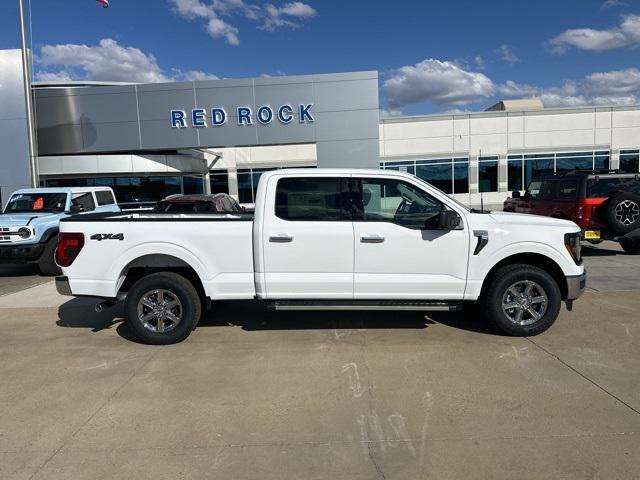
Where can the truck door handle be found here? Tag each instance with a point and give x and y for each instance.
(366, 238)
(280, 238)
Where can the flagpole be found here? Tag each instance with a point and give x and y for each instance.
(26, 78)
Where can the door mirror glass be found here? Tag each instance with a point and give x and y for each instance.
(448, 220)
(515, 194)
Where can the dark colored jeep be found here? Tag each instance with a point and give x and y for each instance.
(605, 204)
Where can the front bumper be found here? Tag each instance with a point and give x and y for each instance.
(576, 285)
(62, 285)
(21, 253)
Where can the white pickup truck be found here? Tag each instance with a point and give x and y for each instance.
(326, 240)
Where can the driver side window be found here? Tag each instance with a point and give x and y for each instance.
(394, 201)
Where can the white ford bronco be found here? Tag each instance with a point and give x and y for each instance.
(323, 239)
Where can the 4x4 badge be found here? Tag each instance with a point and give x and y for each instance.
(107, 236)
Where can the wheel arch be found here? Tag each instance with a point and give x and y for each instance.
(535, 260)
(148, 264)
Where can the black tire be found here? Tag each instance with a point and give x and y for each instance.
(512, 276)
(47, 261)
(595, 242)
(622, 212)
(176, 287)
(631, 246)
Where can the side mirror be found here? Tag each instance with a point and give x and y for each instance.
(76, 209)
(515, 194)
(448, 220)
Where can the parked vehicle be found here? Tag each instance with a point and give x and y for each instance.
(29, 224)
(219, 202)
(326, 240)
(605, 204)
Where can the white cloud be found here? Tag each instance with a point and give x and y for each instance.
(616, 87)
(506, 53)
(614, 3)
(197, 75)
(480, 62)
(269, 16)
(60, 76)
(384, 112)
(626, 34)
(107, 61)
(441, 82)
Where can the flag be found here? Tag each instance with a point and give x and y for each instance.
(104, 3)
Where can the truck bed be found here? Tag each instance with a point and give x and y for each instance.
(218, 247)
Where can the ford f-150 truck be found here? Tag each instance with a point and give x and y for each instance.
(29, 225)
(326, 240)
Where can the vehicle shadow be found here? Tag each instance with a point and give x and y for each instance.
(18, 270)
(588, 251)
(251, 316)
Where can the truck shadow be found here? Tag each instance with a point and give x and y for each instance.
(80, 313)
(18, 270)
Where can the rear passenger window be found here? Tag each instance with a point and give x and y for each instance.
(568, 189)
(309, 199)
(606, 187)
(84, 200)
(104, 197)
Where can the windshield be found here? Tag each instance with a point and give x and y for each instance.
(36, 203)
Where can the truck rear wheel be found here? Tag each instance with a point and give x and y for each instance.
(47, 262)
(522, 300)
(163, 308)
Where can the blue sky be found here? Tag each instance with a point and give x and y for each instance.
(460, 55)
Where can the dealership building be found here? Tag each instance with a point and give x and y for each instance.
(147, 141)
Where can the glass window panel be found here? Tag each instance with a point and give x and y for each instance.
(629, 161)
(395, 201)
(568, 188)
(192, 185)
(575, 163)
(514, 175)
(535, 156)
(437, 175)
(488, 176)
(406, 167)
(219, 182)
(461, 177)
(310, 199)
(574, 154)
(601, 162)
(245, 190)
(606, 187)
(535, 168)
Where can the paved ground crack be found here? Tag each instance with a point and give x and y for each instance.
(593, 382)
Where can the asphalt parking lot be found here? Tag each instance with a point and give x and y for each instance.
(260, 395)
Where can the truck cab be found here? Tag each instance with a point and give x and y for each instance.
(30, 221)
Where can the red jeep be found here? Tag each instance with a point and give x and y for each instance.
(605, 204)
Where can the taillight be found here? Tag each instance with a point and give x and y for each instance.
(573, 245)
(69, 246)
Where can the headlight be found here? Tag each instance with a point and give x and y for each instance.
(573, 245)
(24, 233)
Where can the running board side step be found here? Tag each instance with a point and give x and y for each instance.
(406, 305)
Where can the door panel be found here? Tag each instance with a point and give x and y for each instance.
(307, 240)
(395, 258)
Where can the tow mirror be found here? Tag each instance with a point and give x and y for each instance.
(448, 220)
(516, 194)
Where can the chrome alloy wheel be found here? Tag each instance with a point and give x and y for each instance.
(627, 212)
(525, 302)
(159, 311)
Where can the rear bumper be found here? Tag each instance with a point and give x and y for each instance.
(62, 285)
(576, 285)
(21, 253)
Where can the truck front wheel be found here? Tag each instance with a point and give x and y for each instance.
(163, 308)
(522, 300)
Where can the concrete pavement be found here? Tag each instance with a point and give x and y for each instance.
(261, 395)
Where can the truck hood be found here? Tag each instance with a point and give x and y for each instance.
(21, 219)
(510, 218)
